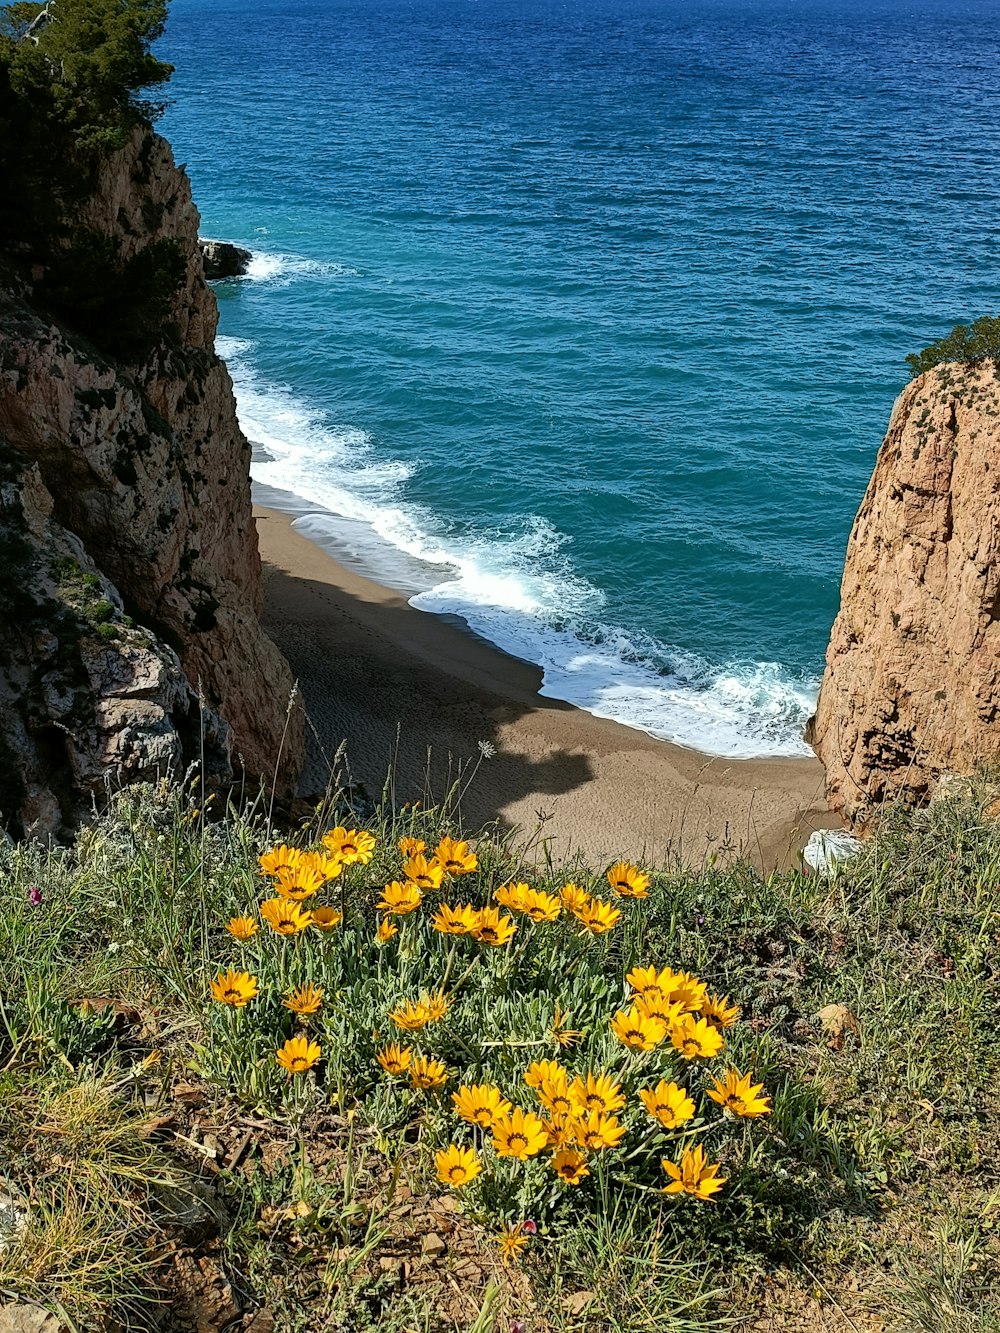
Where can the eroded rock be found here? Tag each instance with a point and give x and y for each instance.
(912, 683)
(224, 260)
(146, 467)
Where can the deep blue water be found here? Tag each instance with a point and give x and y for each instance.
(585, 319)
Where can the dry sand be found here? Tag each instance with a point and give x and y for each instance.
(391, 680)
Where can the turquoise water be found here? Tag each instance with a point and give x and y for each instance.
(585, 320)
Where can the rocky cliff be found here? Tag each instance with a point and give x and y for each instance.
(147, 477)
(912, 684)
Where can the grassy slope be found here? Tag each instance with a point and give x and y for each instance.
(870, 1198)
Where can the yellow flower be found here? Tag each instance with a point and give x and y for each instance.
(596, 1132)
(512, 896)
(280, 858)
(412, 1016)
(425, 874)
(394, 1059)
(695, 1175)
(570, 1166)
(327, 867)
(427, 1073)
(560, 1131)
(325, 918)
(574, 899)
(648, 981)
(554, 1096)
(399, 898)
(234, 988)
(717, 1010)
(637, 1032)
(298, 882)
(686, 990)
(696, 1039)
(520, 1134)
(598, 916)
(454, 858)
(655, 1005)
(457, 1166)
(599, 1093)
(536, 1074)
(512, 1241)
(738, 1094)
(411, 846)
(563, 1035)
(541, 906)
(481, 1104)
(284, 917)
(668, 1104)
(306, 1000)
(352, 846)
(385, 932)
(298, 1054)
(242, 927)
(492, 928)
(459, 920)
(628, 881)
(436, 1005)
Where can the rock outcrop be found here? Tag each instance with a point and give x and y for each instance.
(912, 684)
(148, 470)
(221, 259)
(87, 697)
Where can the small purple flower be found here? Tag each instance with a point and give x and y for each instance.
(699, 920)
(529, 1228)
(517, 1326)
(35, 896)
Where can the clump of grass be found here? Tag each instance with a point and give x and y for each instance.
(80, 1179)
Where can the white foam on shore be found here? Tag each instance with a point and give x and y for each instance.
(516, 587)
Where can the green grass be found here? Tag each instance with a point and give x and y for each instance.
(872, 1191)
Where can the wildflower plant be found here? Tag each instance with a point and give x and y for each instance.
(521, 1027)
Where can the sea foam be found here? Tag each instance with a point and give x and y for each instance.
(282, 269)
(515, 587)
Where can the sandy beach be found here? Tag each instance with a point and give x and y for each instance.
(401, 685)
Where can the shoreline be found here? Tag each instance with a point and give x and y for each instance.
(395, 681)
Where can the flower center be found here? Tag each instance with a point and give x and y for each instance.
(734, 1101)
(453, 865)
(691, 1046)
(520, 1139)
(232, 993)
(456, 1174)
(298, 1061)
(634, 1034)
(489, 933)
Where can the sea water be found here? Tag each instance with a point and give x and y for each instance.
(584, 320)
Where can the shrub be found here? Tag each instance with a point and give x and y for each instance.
(968, 344)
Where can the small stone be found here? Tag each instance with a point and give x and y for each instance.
(577, 1302)
(27, 1319)
(432, 1246)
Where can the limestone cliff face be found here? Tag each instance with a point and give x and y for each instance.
(146, 464)
(912, 683)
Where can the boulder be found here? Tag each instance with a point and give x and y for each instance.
(911, 690)
(223, 260)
